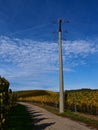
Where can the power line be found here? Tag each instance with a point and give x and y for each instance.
(30, 28)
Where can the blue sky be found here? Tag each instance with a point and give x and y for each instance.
(29, 43)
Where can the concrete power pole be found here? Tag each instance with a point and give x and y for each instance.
(61, 100)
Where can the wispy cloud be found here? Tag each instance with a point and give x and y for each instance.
(77, 51)
(28, 59)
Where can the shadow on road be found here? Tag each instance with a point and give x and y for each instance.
(40, 122)
(36, 120)
(43, 126)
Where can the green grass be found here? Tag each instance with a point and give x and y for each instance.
(20, 119)
(80, 118)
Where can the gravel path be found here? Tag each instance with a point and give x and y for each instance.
(44, 120)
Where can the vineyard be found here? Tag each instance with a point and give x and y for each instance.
(84, 100)
(6, 102)
(39, 96)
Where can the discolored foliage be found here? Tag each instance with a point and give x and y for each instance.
(83, 100)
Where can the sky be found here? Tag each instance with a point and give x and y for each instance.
(29, 54)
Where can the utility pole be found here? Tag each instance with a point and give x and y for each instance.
(61, 98)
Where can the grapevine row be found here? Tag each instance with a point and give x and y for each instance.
(6, 102)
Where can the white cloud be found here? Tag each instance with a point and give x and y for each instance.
(31, 59)
(75, 52)
(80, 47)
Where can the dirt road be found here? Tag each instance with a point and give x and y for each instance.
(44, 120)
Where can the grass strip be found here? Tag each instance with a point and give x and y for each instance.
(78, 117)
(20, 119)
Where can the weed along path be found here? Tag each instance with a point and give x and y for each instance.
(44, 120)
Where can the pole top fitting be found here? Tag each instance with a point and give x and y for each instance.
(60, 21)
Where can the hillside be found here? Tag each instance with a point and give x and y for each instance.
(83, 100)
(30, 93)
